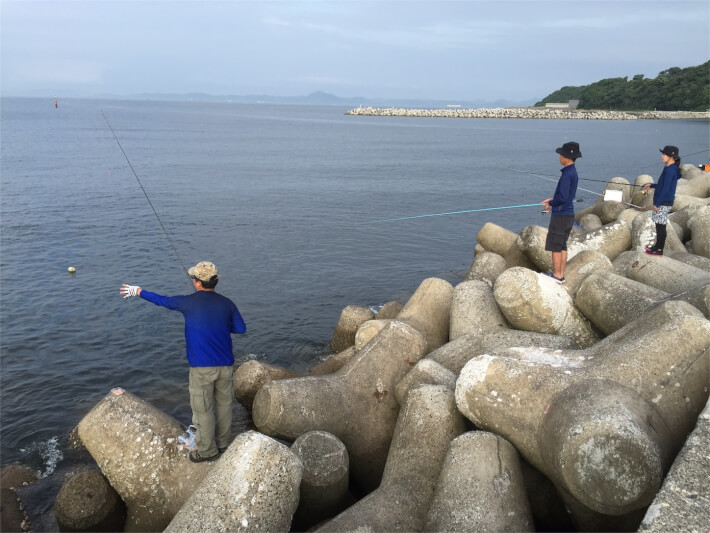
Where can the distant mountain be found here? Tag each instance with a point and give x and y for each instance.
(323, 98)
(675, 89)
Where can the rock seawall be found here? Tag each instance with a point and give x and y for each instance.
(525, 113)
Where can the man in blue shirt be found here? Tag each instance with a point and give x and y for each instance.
(561, 208)
(210, 320)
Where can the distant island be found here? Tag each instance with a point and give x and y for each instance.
(322, 98)
(674, 89)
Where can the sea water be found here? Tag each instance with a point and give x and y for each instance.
(285, 200)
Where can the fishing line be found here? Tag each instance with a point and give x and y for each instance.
(172, 244)
(580, 188)
(455, 212)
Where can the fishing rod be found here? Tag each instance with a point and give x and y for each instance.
(580, 188)
(172, 244)
(607, 181)
(458, 212)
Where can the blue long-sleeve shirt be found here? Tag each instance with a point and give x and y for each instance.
(665, 188)
(210, 320)
(562, 202)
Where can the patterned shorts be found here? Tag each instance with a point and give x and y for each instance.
(661, 216)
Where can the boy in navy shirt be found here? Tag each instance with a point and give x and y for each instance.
(561, 208)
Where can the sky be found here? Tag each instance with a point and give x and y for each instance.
(413, 49)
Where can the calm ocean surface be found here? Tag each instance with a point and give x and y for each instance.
(284, 199)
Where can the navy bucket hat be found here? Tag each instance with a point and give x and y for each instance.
(569, 150)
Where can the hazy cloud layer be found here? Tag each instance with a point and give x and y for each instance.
(407, 49)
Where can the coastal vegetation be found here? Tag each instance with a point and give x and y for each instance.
(674, 89)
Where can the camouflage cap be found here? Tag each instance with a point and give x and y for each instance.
(204, 271)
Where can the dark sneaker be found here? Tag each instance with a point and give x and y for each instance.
(195, 457)
(558, 280)
(654, 251)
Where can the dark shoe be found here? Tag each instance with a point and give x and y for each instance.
(654, 251)
(195, 457)
(558, 280)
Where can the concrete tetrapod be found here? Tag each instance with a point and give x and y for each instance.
(643, 233)
(425, 372)
(602, 423)
(611, 301)
(326, 472)
(699, 225)
(681, 280)
(535, 302)
(486, 266)
(474, 310)
(135, 446)
(427, 423)
(87, 502)
(350, 319)
(683, 503)
(481, 487)
(455, 354)
(611, 239)
(428, 311)
(252, 487)
(495, 238)
(250, 376)
(357, 404)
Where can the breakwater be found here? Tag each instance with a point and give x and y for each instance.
(525, 113)
(506, 402)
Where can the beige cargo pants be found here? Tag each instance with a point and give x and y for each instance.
(211, 396)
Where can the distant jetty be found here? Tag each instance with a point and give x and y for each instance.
(525, 113)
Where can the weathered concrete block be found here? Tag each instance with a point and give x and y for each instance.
(356, 404)
(455, 354)
(628, 215)
(253, 487)
(680, 280)
(425, 372)
(699, 225)
(516, 257)
(249, 377)
(389, 310)
(611, 240)
(605, 422)
(682, 200)
(427, 423)
(326, 472)
(135, 446)
(495, 238)
(16, 475)
(87, 502)
(332, 364)
(368, 331)
(13, 516)
(610, 210)
(350, 319)
(697, 261)
(535, 302)
(590, 221)
(583, 265)
(682, 216)
(533, 243)
(611, 301)
(683, 503)
(474, 310)
(481, 487)
(428, 311)
(487, 266)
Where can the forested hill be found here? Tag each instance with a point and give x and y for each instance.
(675, 89)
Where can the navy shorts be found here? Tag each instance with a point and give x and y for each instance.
(558, 232)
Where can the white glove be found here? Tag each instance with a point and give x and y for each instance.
(129, 290)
